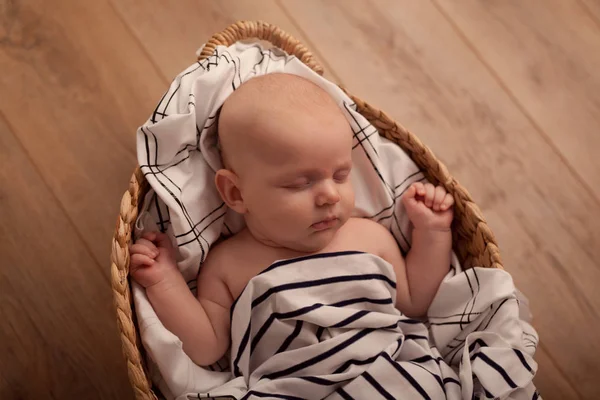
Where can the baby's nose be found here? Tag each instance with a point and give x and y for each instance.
(328, 194)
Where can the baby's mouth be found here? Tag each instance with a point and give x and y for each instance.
(327, 223)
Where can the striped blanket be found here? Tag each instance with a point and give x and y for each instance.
(325, 326)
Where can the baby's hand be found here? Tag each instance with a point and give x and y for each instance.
(428, 206)
(152, 259)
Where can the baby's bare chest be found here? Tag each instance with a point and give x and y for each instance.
(254, 259)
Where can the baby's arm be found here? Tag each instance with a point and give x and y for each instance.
(201, 324)
(428, 261)
(419, 276)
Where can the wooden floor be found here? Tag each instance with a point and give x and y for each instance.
(505, 92)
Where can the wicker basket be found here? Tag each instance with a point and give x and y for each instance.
(474, 242)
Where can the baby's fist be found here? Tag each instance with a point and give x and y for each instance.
(428, 206)
(152, 259)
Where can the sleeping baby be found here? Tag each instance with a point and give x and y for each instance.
(286, 148)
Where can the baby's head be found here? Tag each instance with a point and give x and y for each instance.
(286, 147)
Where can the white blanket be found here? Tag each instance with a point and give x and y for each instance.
(177, 153)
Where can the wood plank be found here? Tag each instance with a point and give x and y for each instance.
(173, 35)
(416, 68)
(552, 382)
(58, 338)
(545, 54)
(74, 91)
(593, 7)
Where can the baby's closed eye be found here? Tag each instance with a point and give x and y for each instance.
(299, 183)
(342, 175)
(307, 180)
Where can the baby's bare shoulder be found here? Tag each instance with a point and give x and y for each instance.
(234, 262)
(365, 226)
(220, 257)
(232, 254)
(366, 235)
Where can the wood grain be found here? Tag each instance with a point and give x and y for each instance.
(593, 7)
(172, 36)
(79, 77)
(544, 54)
(420, 71)
(77, 90)
(552, 381)
(58, 336)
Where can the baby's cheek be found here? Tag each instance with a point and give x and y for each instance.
(272, 199)
(348, 196)
(296, 205)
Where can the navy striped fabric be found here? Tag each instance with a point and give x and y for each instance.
(325, 326)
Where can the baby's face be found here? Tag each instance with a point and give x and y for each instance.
(296, 185)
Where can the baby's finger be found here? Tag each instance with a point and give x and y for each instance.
(138, 260)
(409, 199)
(420, 188)
(410, 193)
(145, 250)
(146, 243)
(162, 240)
(150, 236)
(429, 192)
(448, 202)
(438, 197)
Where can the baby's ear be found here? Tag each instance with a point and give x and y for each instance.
(227, 185)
